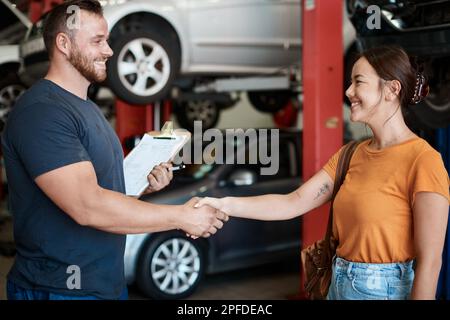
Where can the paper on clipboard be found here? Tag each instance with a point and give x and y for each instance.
(154, 148)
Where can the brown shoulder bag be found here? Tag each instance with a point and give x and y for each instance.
(317, 258)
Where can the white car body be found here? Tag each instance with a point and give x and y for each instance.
(225, 36)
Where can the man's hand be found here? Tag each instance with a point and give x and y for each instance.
(211, 202)
(159, 177)
(202, 222)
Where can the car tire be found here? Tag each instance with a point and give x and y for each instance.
(430, 114)
(160, 265)
(144, 65)
(206, 111)
(10, 90)
(269, 101)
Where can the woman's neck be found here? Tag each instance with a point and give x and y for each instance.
(393, 132)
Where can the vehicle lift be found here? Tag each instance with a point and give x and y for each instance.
(36, 8)
(134, 120)
(322, 69)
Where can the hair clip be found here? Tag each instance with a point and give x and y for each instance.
(421, 89)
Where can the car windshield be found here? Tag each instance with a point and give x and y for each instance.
(194, 171)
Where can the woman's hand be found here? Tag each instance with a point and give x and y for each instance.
(213, 203)
(216, 203)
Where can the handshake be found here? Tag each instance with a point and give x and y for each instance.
(202, 217)
(198, 217)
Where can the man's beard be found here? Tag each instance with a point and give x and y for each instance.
(86, 67)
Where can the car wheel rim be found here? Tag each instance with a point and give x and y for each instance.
(204, 111)
(175, 266)
(8, 96)
(143, 67)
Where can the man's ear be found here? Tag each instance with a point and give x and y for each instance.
(393, 89)
(63, 44)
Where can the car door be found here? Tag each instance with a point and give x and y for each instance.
(243, 35)
(245, 242)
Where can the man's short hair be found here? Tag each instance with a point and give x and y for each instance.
(57, 20)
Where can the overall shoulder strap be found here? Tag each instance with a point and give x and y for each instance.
(341, 171)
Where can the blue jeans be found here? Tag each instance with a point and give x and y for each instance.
(15, 292)
(370, 281)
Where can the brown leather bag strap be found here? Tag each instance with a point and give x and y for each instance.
(341, 171)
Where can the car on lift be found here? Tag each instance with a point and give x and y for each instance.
(169, 265)
(13, 26)
(168, 48)
(186, 42)
(422, 28)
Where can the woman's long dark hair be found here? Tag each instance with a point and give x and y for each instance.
(393, 63)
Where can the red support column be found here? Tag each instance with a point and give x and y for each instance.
(38, 7)
(149, 118)
(167, 111)
(132, 121)
(322, 69)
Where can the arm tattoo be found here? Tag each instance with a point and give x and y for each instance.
(323, 190)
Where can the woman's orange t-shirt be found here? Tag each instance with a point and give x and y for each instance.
(373, 218)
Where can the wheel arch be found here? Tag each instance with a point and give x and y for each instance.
(132, 21)
(203, 243)
(9, 67)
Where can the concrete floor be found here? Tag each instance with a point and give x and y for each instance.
(271, 282)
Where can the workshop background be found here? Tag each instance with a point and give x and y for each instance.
(234, 64)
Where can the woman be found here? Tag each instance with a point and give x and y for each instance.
(393, 206)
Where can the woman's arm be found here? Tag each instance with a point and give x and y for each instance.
(430, 222)
(312, 194)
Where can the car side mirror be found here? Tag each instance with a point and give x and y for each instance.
(242, 177)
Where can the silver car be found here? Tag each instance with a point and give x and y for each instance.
(168, 265)
(156, 41)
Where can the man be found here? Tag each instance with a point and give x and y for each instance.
(64, 165)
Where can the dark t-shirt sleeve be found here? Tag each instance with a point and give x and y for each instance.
(47, 138)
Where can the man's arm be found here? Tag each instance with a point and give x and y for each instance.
(74, 189)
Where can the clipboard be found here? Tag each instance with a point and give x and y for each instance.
(155, 147)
